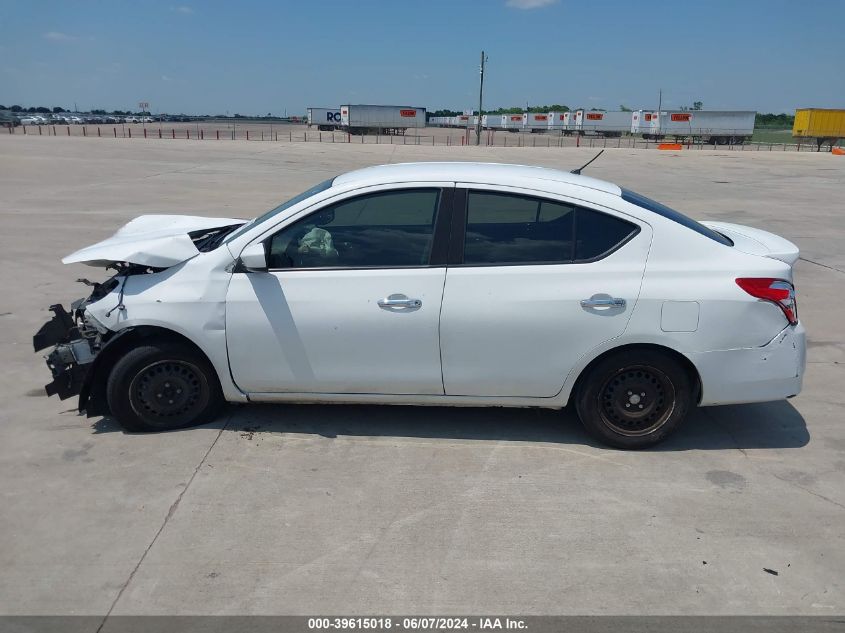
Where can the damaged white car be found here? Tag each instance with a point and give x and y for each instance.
(435, 284)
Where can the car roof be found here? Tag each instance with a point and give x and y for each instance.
(480, 173)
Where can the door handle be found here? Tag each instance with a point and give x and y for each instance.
(399, 303)
(610, 302)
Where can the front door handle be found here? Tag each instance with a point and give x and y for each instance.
(610, 302)
(399, 303)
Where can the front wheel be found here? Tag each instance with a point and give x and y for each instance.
(634, 399)
(163, 386)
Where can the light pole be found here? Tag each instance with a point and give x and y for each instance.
(480, 99)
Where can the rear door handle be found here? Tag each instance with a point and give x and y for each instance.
(610, 302)
(399, 303)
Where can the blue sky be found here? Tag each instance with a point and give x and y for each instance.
(254, 57)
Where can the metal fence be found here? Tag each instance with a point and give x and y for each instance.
(437, 137)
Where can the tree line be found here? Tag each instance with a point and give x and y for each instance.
(59, 110)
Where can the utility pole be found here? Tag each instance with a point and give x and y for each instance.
(480, 99)
(659, 108)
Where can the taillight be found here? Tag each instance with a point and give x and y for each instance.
(778, 291)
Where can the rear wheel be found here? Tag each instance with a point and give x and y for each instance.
(634, 399)
(164, 386)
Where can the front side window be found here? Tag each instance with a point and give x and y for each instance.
(326, 184)
(380, 230)
(504, 229)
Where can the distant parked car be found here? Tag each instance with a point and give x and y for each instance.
(29, 120)
(9, 120)
(436, 284)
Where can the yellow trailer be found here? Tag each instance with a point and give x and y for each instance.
(820, 124)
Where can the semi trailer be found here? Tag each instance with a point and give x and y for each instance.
(325, 119)
(819, 124)
(718, 127)
(381, 119)
(602, 123)
(559, 122)
(535, 122)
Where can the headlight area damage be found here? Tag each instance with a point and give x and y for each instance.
(147, 244)
(77, 338)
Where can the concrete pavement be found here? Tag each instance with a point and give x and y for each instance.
(339, 509)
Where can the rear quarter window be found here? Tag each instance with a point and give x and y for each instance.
(599, 233)
(676, 216)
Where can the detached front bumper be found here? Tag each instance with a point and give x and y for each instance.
(74, 350)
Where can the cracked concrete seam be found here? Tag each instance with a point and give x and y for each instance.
(170, 512)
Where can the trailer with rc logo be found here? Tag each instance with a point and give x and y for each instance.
(326, 119)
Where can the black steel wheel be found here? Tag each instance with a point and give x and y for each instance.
(169, 392)
(161, 387)
(637, 400)
(634, 398)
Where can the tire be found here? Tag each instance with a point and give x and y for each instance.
(634, 399)
(147, 376)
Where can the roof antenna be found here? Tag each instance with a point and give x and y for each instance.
(578, 171)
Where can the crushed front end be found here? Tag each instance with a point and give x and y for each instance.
(76, 340)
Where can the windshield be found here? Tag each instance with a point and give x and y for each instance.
(675, 216)
(285, 205)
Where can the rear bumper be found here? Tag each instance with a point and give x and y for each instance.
(759, 374)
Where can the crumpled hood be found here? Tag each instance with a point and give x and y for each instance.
(159, 241)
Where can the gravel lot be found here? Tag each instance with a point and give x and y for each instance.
(321, 509)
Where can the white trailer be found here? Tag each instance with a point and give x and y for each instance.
(641, 121)
(380, 119)
(601, 123)
(493, 121)
(512, 122)
(718, 127)
(535, 121)
(460, 120)
(324, 118)
(559, 122)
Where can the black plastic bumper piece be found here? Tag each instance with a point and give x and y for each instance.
(67, 379)
(59, 329)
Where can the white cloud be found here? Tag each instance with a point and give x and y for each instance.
(166, 78)
(529, 4)
(56, 36)
(185, 10)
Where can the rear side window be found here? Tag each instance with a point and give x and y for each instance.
(599, 233)
(508, 229)
(513, 229)
(675, 216)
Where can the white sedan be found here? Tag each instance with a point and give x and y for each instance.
(436, 284)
